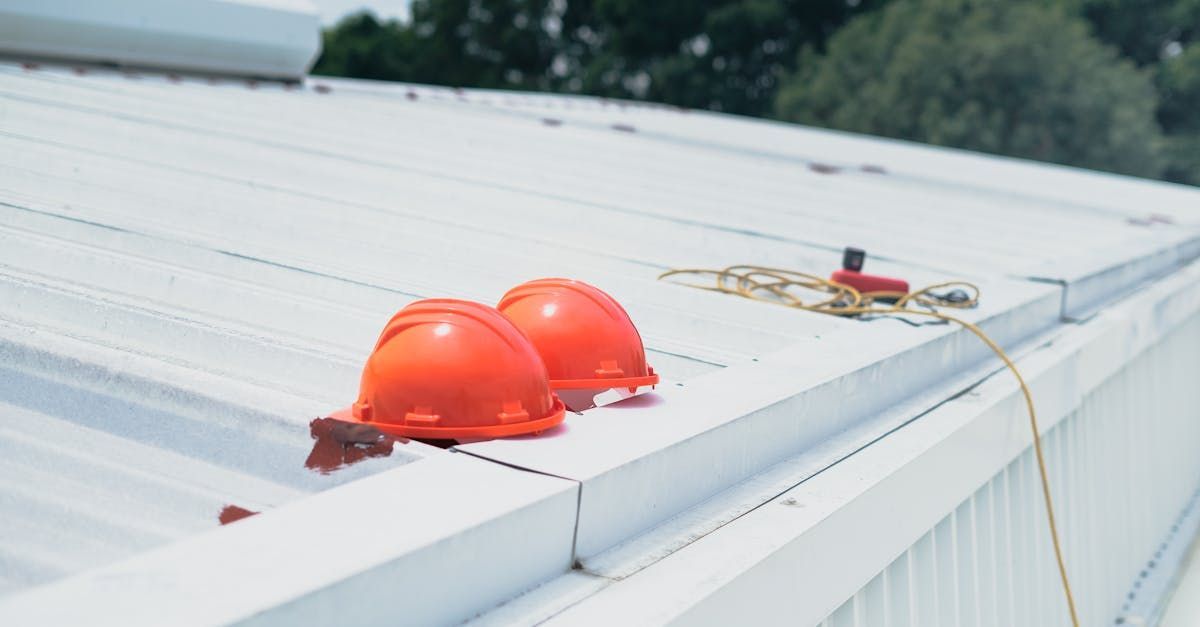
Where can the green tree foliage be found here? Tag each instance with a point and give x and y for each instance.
(725, 55)
(1143, 30)
(1179, 114)
(719, 55)
(1014, 78)
(447, 42)
(1161, 35)
(362, 47)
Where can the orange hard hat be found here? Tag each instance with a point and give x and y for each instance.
(583, 335)
(453, 369)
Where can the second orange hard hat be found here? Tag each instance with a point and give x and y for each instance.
(453, 369)
(584, 336)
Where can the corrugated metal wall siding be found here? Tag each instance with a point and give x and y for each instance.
(990, 561)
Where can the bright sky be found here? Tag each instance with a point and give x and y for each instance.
(333, 10)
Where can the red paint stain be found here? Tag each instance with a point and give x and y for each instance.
(339, 444)
(233, 513)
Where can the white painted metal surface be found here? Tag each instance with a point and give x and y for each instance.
(774, 408)
(1183, 604)
(1164, 577)
(369, 553)
(1124, 468)
(108, 451)
(257, 38)
(202, 265)
(940, 523)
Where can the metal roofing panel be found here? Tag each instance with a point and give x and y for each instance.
(364, 554)
(192, 269)
(108, 452)
(722, 428)
(811, 546)
(809, 185)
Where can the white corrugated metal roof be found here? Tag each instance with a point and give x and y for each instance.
(191, 270)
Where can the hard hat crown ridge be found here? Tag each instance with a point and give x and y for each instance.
(584, 336)
(453, 369)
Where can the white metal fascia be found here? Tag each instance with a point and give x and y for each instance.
(1092, 282)
(722, 428)
(769, 555)
(432, 542)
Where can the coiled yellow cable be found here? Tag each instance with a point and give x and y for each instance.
(778, 286)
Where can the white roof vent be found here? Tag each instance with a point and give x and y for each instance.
(261, 38)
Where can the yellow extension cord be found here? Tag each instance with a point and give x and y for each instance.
(776, 285)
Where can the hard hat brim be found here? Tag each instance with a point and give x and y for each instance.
(557, 413)
(603, 384)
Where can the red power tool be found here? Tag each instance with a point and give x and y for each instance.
(851, 274)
